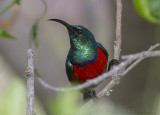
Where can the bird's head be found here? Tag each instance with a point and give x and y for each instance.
(83, 44)
(75, 31)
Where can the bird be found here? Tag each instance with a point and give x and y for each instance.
(87, 59)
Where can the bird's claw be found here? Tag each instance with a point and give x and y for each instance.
(113, 62)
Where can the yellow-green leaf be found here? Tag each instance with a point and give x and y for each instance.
(13, 99)
(148, 9)
(5, 34)
(17, 2)
(65, 104)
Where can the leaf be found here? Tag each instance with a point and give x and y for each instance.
(13, 99)
(34, 33)
(64, 104)
(14, 94)
(9, 6)
(68, 103)
(5, 34)
(155, 8)
(17, 2)
(148, 9)
(34, 30)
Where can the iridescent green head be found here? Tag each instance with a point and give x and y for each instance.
(83, 44)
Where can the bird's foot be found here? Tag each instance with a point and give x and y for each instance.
(113, 62)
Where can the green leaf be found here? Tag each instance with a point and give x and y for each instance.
(13, 99)
(34, 30)
(68, 103)
(9, 6)
(5, 34)
(64, 104)
(34, 33)
(155, 8)
(14, 94)
(148, 9)
(17, 2)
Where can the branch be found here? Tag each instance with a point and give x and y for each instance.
(30, 83)
(129, 59)
(112, 83)
(117, 50)
(105, 75)
(117, 46)
(139, 60)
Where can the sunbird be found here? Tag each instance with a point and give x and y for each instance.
(87, 59)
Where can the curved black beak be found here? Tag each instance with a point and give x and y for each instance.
(69, 27)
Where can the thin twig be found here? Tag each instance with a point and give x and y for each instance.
(117, 50)
(139, 60)
(30, 83)
(112, 83)
(117, 46)
(92, 82)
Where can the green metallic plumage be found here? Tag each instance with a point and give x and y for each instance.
(86, 59)
(69, 70)
(83, 48)
(69, 65)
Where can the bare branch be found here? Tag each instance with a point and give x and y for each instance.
(153, 47)
(117, 46)
(117, 50)
(143, 54)
(139, 60)
(30, 83)
(89, 83)
(112, 83)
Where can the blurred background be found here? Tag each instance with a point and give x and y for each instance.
(137, 93)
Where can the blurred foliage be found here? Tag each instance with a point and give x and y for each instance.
(69, 104)
(17, 2)
(157, 105)
(148, 9)
(151, 96)
(9, 6)
(64, 104)
(34, 30)
(34, 34)
(5, 34)
(13, 99)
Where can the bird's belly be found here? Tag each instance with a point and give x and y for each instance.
(91, 70)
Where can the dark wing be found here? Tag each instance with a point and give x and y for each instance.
(69, 68)
(103, 49)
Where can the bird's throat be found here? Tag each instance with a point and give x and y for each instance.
(83, 51)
